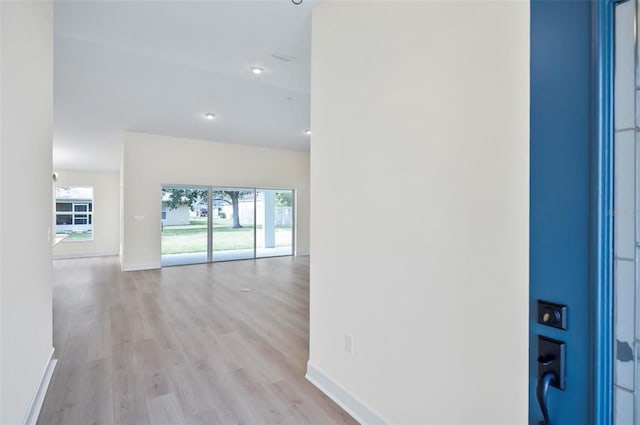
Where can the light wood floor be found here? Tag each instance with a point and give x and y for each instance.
(183, 345)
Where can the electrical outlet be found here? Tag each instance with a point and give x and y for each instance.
(348, 343)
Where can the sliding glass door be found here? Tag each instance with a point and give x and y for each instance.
(210, 223)
(274, 218)
(233, 223)
(184, 225)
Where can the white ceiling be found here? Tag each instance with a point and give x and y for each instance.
(159, 66)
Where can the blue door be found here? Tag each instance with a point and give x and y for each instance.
(571, 200)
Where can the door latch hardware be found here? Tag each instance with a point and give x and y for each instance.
(551, 372)
(551, 358)
(552, 314)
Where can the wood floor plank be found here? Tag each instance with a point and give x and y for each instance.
(99, 406)
(165, 410)
(128, 387)
(183, 345)
(206, 417)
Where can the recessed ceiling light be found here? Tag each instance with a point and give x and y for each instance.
(307, 132)
(256, 70)
(209, 115)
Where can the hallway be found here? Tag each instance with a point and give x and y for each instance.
(183, 345)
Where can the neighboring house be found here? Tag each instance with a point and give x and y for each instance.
(74, 209)
(176, 216)
(74, 215)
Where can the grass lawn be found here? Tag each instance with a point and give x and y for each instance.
(193, 237)
(78, 236)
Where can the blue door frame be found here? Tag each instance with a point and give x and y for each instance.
(601, 283)
(571, 196)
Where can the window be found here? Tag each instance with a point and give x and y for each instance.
(64, 219)
(64, 206)
(74, 212)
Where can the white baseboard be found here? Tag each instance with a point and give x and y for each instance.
(84, 255)
(137, 267)
(358, 410)
(38, 398)
(302, 254)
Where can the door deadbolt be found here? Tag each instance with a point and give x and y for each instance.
(552, 314)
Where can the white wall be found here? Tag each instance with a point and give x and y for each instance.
(150, 161)
(106, 214)
(26, 106)
(427, 104)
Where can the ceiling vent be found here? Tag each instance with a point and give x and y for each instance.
(283, 57)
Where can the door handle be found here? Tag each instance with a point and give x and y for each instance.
(542, 389)
(551, 372)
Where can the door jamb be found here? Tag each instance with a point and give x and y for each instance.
(602, 214)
